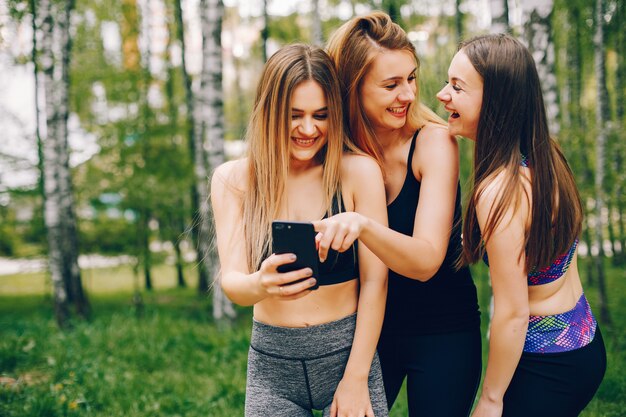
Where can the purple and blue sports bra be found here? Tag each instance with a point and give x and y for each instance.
(552, 272)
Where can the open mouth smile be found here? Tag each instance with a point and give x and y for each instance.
(397, 111)
(304, 142)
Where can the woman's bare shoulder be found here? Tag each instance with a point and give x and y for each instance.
(232, 175)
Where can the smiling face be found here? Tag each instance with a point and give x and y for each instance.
(388, 89)
(309, 121)
(462, 97)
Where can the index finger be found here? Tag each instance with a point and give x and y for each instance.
(319, 225)
(276, 260)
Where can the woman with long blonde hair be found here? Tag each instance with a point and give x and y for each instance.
(310, 349)
(431, 333)
(546, 354)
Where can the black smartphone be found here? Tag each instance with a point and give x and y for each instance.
(297, 238)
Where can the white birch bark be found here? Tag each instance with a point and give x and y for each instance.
(211, 107)
(538, 35)
(58, 205)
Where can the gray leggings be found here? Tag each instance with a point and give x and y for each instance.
(292, 371)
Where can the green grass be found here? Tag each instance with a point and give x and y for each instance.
(100, 281)
(170, 358)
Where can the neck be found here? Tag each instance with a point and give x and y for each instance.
(297, 167)
(390, 138)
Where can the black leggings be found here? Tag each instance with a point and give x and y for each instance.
(556, 384)
(442, 371)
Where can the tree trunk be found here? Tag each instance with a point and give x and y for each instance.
(38, 217)
(538, 34)
(194, 135)
(212, 138)
(35, 25)
(620, 82)
(180, 274)
(265, 32)
(620, 223)
(458, 22)
(611, 230)
(602, 114)
(316, 24)
(143, 123)
(500, 16)
(59, 205)
(144, 245)
(392, 8)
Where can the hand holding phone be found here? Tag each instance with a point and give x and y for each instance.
(297, 238)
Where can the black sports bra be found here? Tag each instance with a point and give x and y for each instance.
(339, 266)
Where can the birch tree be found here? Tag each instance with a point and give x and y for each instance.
(316, 23)
(620, 81)
(211, 141)
(59, 214)
(500, 16)
(191, 130)
(537, 32)
(602, 114)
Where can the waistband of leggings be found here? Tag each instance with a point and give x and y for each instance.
(303, 342)
(561, 332)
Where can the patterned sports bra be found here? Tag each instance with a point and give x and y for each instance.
(550, 273)
(555, 271)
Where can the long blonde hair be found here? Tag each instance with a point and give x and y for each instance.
(353, 47)
(268, 138)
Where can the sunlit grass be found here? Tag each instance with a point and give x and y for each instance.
(100, 280)
(169, 358)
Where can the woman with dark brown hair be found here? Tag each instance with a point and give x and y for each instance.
(546, 354)
(431, 332)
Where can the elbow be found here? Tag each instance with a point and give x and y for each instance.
(424, 274)
(424, 271)
(234, 296)
(515, 318)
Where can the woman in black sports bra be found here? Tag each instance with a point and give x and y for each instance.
(309, 349)
(431, 333)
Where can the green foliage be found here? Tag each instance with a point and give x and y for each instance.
(285, 29)
(111, 236)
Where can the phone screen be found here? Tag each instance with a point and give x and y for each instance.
(297, 238)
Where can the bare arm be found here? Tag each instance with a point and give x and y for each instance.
(510, 290)
(239, 284)
(366, 184)
(419, 256)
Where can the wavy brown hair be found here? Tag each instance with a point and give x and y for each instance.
(513, 124)
(353, 47)
(268, 137)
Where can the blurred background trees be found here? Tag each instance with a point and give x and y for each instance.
(114, 115)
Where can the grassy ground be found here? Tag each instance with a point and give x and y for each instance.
(170, 358)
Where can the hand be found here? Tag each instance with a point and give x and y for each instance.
(338, 232)
(352, 399)
(284, 285)
(487, 408)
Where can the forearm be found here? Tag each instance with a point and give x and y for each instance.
(370, 314)
(508, 334)
(411, 256)
(242, 289)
